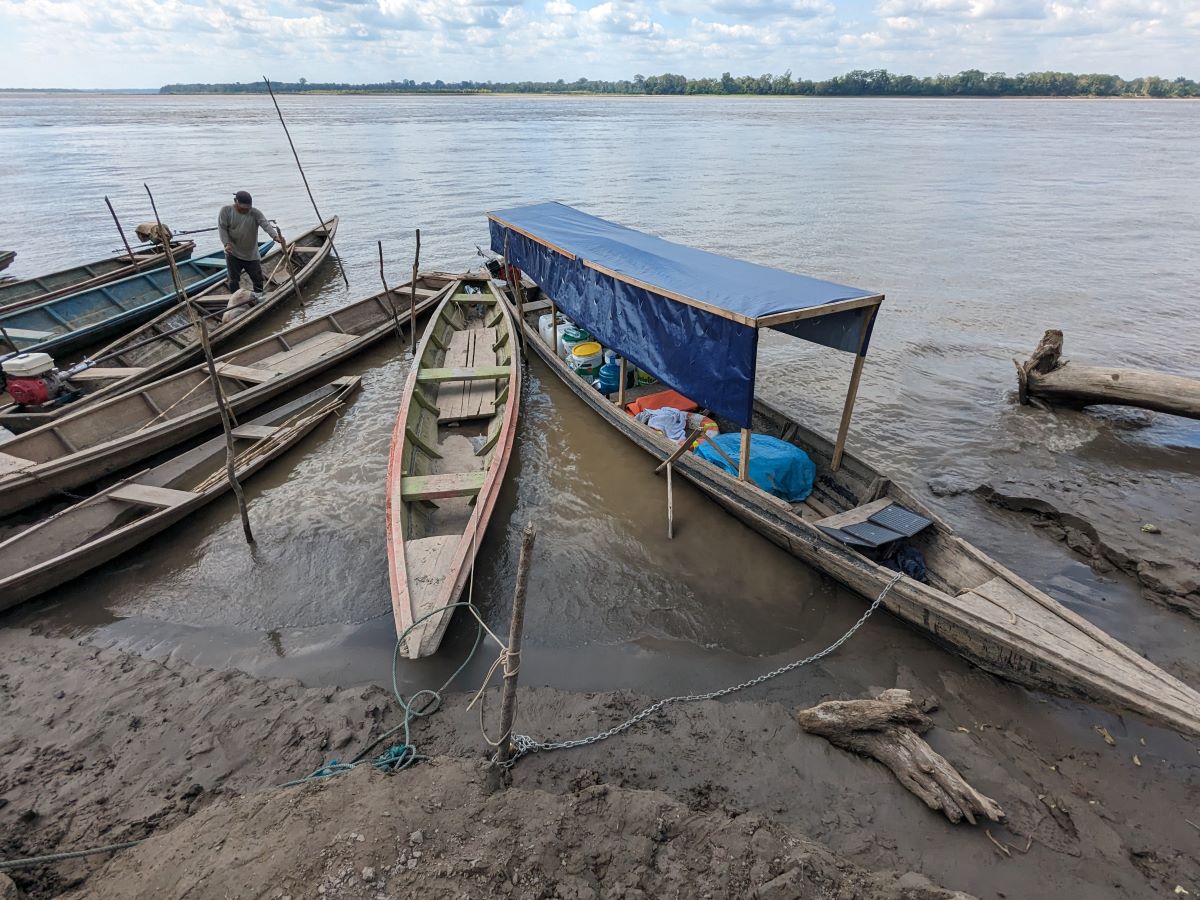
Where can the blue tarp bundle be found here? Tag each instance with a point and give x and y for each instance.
(689, 317)
(776, 466)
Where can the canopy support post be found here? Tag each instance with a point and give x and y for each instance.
(621, 389)
(554, 319)
(744, 456)
(852, 392)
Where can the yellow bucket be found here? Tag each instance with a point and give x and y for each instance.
(587, 358)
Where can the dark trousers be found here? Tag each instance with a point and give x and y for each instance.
(236, 267)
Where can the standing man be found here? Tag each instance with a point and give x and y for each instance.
(237, 225)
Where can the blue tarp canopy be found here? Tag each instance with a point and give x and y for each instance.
(688, 317)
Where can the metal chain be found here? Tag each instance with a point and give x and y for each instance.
(524, 744)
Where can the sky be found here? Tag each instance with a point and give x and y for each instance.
(117, 43)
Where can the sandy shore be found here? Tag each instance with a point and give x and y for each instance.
(712, 799)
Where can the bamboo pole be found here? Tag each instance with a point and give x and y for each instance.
(390, 299)
(512, 666)
(227, 427)
(304, 178)
(744, 456)
(852, 392)
(670, 505)
(287, 261)
(121, 231)
(412, 298)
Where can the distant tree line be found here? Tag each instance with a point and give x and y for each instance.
(859, 83)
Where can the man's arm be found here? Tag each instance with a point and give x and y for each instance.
(268, 227)
(223, 228)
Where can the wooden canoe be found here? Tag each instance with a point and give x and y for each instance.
(6, 259)
(450, 448)
(76, 320)
(120, 431)
(169, 341)
(120, 517)
(972, 604)
(30, 291)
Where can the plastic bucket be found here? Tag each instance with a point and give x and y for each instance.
(546, 327)
(569, 337)
(587, 358)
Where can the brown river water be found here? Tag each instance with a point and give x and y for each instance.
(984, 222)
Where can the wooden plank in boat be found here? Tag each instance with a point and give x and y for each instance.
(151, 495)
(246, 373)
(427, 562)
(536, 306)
(28, 334)
(10, 463)
(306, 249)
(856, 515)
(438, 487)
(462, 400)
(101, 373)
(254, 432)
(479, 373)
(307, 351)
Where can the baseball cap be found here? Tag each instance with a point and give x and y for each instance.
(243, 197)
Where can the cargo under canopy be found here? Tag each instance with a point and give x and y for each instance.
(688, 317)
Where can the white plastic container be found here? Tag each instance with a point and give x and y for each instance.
(569, 337)
(27, 365)
(546, 327)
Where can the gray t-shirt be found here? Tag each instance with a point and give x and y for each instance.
(240, 230)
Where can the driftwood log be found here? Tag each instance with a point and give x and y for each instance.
(887, 729)
(1048, 377)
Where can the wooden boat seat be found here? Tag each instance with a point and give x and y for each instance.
(151, 495)
(10, 463)
(254, 432)
(439, 487)
(460, 401)
(246, 373)
(28, 334)
(307, 351)
(100, 373)
(209, 263)
(476, 373)
(306, 249)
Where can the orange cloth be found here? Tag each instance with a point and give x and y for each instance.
(673, 399)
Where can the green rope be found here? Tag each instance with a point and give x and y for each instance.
(402, 755)
(70, 854)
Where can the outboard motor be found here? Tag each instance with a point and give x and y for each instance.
(32, 380)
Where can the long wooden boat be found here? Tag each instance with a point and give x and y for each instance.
(972, 604)
(120, 517)
(120, 431)
(67, 323)
(6, 259)
(170, 341)
(30, 291)
(450, 448)
(693, 319)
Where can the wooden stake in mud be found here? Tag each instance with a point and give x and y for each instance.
(226, 422)
(508, 706)
(390, 299)
(412, 299)
(121, 231)
(304, 178)
(670, 506)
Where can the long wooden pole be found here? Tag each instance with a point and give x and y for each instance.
(304, 178)
(390, 299)
(287, 261)
(518, 298)
(670, 505)
(744, 456)
(121, 231)
(227, 427)
(412, 298)
(508, 706)
(839, 446)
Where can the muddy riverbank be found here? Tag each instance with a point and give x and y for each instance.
(103, 746)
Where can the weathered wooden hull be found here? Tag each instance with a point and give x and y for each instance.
(118, 432)
(31, 291)
(431, 551)
(86, 317)
(104, 526)
(159, 357)
(1026, 637)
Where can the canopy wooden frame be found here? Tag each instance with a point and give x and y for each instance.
(871, 302)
